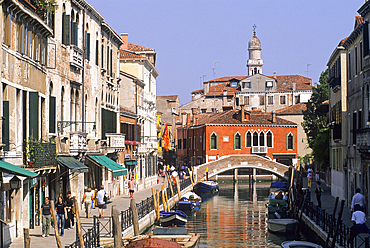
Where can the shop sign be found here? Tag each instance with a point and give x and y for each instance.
(33, 182)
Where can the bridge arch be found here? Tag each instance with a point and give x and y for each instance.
(231, 162)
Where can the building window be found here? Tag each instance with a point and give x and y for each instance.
(269, 139)
(270, 100)
(184, 143)
(249, 139)
(179, 143)
(246, 84)
(262, 100)
(365, 35)
(234, 84)
(255, 139)
(246, 100)
(356, 67)
(290, 142)
(204, 111)
(7, 29)
(237, 101)
(237, 141)
(349, 67)
(282, 100)
(213, 144)
(354, 127)
(297, 99)
(262, 139)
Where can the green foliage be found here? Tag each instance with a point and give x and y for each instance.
(315, 121)
(45, 6)
(32, 146)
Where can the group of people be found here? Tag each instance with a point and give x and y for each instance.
(318, 189)
(172, 172)
(358, 208)
(65, 212)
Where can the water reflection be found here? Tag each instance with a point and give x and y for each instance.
(235, 217)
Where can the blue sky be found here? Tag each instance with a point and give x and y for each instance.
(190, 36)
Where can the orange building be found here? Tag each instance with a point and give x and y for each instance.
(210, 136)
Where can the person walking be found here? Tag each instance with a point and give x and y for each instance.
(102, 205)
(46, 217)
(358, 199)
(318, 192)
(359, 223)
(317, 175)
(309, 176)
(69, 205)
(87, 200)
(132, 187)
(61, 210)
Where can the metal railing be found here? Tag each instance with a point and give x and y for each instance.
(92, 236)
(324, 220)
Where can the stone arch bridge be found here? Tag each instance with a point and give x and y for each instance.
(231, 162)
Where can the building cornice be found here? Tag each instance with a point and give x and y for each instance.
(241, 125)
(353, 36)
(364, 9)
(89, 7)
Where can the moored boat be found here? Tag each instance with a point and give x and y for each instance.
(301, 244)
(185, 205)
(282, 225)
(174, 218)
(170, 241)
(206, 187)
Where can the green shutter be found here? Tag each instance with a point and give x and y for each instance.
(5, 134)
(66, 29)
(87, 45)
(74, 33)
(234, 141)
(210, 141)
(287, 142)
(52, 115)
(34, 115)
(217, 142)
(241, 142)
(293, 142)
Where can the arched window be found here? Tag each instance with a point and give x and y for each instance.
(262, 139)
(290, 142)
(213, 144)
(237, 141)
(269, 139)
(52, 105)
(249, 139)
(255, 138)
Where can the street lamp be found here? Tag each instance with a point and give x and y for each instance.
(15, 183)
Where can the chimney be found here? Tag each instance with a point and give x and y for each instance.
(124, 38)
(196, 121)
(294, 86)
(188, 120)
(275, 74)
(273, 116)
(247, 115)
(194, 113)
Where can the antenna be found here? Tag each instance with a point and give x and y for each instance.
(214, 69)
(307, 69)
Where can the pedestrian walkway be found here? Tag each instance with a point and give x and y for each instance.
(122, 202)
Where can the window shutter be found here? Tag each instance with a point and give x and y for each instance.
(365, 35)
(217, 142)
(111, 62)
(293, 141)
(102, 56)
(241, 142)
(210, 141)
(97, 53)
(5, 133)
(234, 141)
(34, 115)
(87, 45)
(287, 142)
(66, 29)
(52, 114)
(74, 33)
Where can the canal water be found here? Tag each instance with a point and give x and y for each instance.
(236, 217)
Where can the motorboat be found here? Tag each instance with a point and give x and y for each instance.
(299, 244)
(282, 225)
(173, 218)
(185, 205)
(189, 201)
(206, 187)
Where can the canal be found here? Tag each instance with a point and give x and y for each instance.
(236, 217)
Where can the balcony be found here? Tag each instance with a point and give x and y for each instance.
(76, 57)
(39, 154)
(259, 149)
(363, 140)
(115, 142)
(334, 83)
(78, 142)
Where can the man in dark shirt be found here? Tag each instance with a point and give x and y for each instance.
(46, 217)
(60, 207)
(69, 206)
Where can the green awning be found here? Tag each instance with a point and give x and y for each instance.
(72, 164)
(13, 169)
(131, 162)
(117, 169)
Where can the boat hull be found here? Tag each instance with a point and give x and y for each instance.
(185, 205)
(206, 187)
(282, 225)
(177, 218)
(303, 244)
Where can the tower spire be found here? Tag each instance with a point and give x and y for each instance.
(254, 30)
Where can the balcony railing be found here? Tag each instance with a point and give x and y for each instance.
(334, 82)
(362, 138)
(76, 57)
(78, 142)
(39, 154)
(115, 142)
(259, 149)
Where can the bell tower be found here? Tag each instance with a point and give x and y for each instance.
(255, 62)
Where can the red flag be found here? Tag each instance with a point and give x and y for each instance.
(166, 138)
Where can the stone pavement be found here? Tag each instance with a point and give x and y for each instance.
(122, 202)
(328, 202)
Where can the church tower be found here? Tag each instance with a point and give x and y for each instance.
(255, 62)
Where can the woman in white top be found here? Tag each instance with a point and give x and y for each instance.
(87, 200)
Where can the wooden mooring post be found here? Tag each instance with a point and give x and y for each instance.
(338, 224)
(78, 222)
(135, 217)
(117, 234)
(155, 205)
(27, 239)
(56, 228)
(332, 221)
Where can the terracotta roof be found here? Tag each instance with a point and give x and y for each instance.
(285, 82)
(227, 79)
(129, 55)
(256, 117)
(219, 89)
(359, 20)
(171, 98)
(126, 110)
(198, 91)
(294, 109)
(138, 48)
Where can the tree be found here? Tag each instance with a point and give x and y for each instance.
(315, 120)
